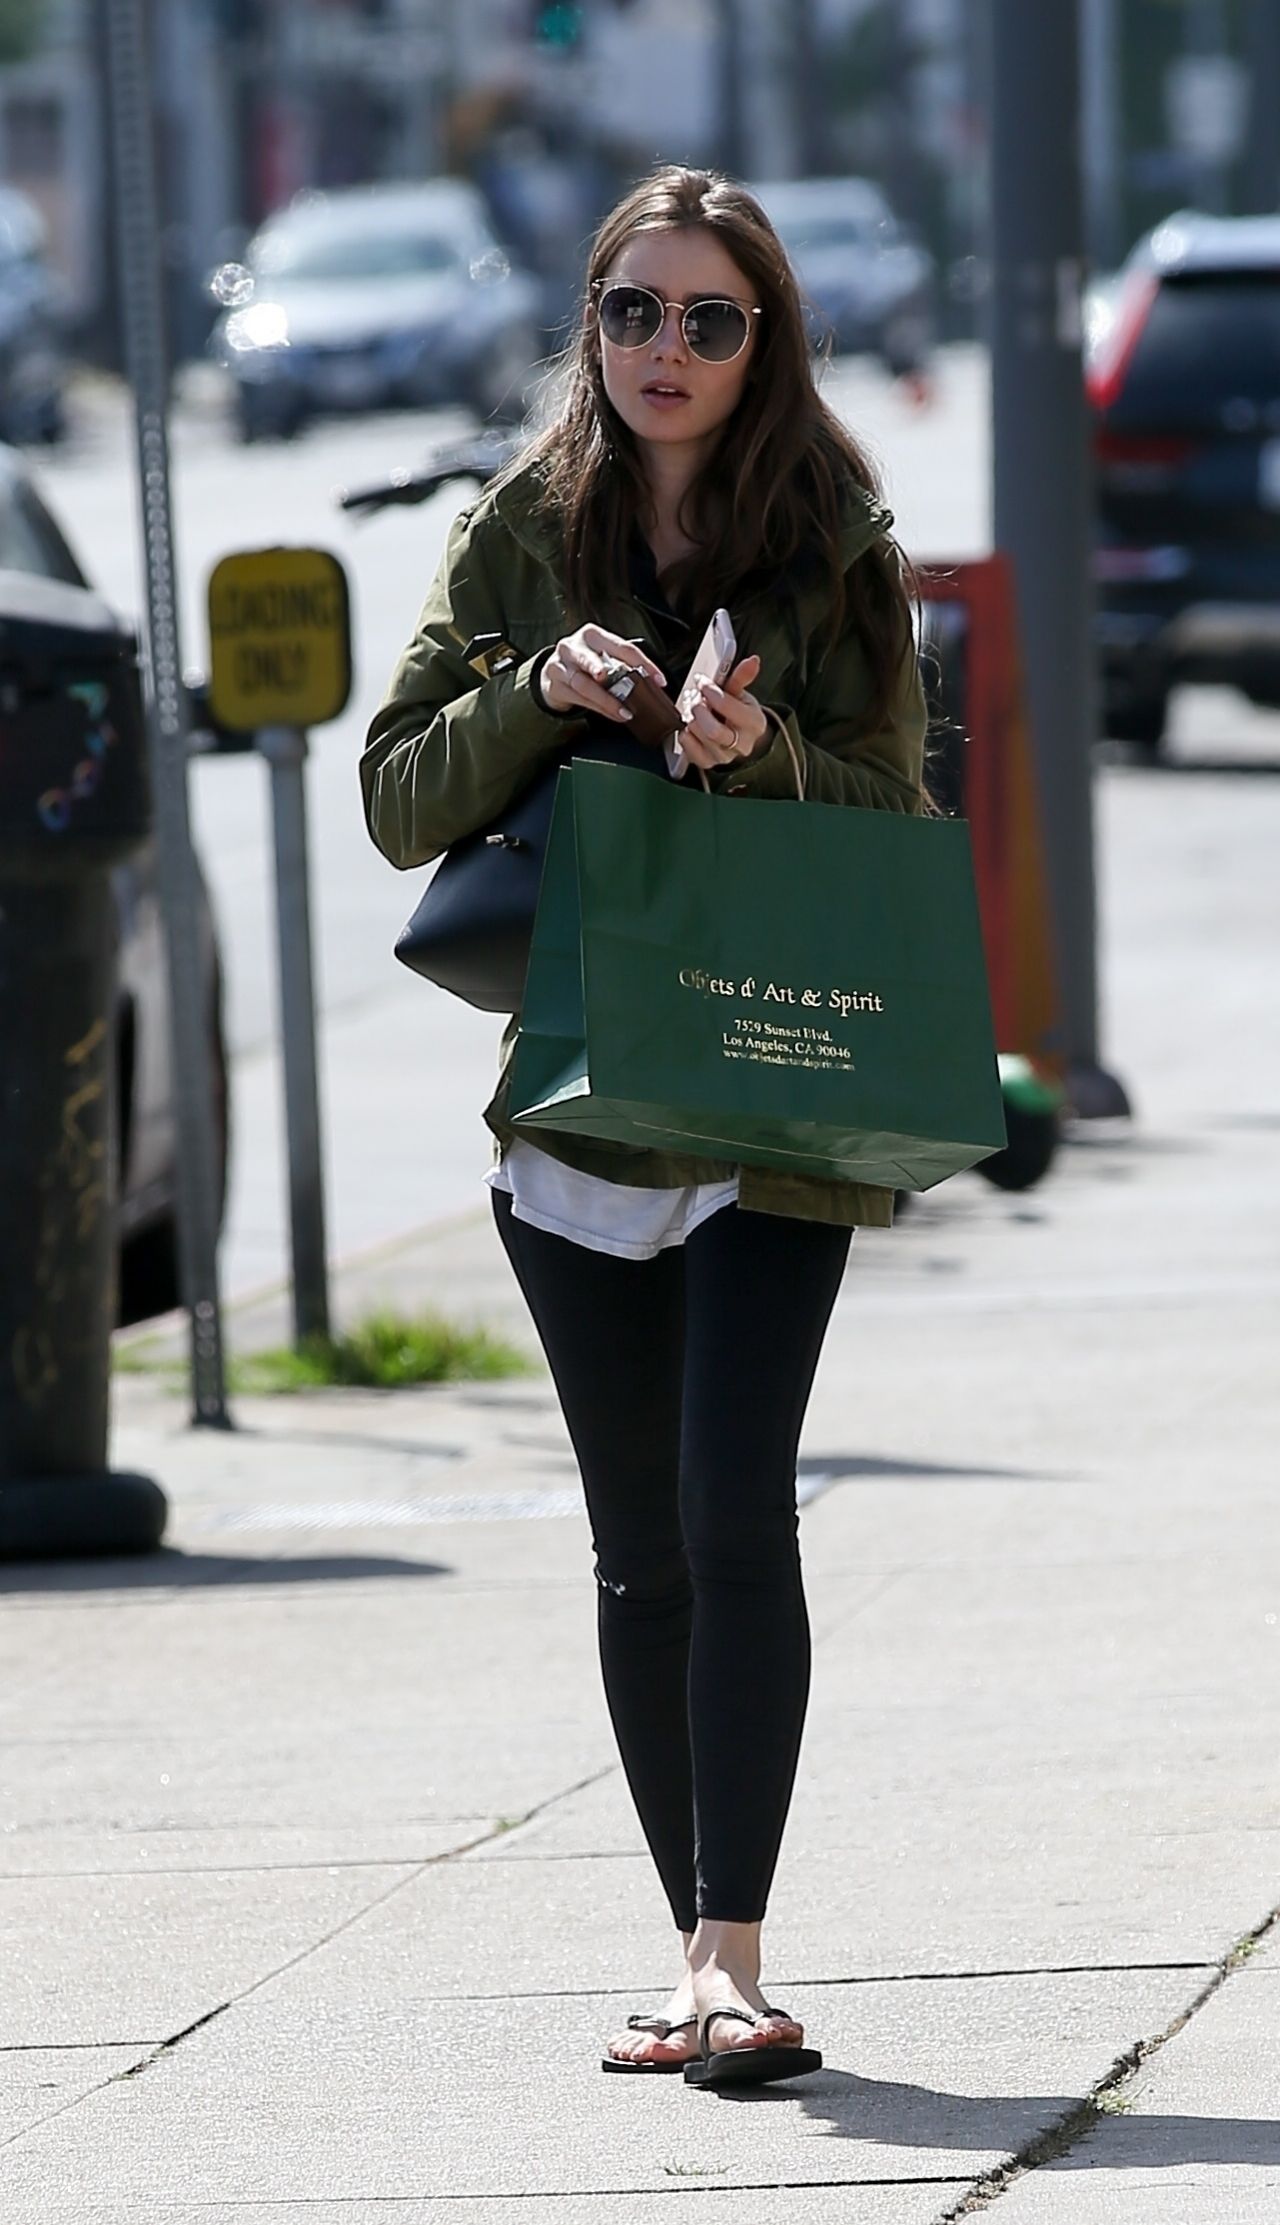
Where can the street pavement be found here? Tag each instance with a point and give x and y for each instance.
(319, 1885)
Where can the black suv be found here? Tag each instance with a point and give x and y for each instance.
(1184, 377)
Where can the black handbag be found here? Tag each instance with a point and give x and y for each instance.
(471, 931)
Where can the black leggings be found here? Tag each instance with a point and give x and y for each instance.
(684, 1380)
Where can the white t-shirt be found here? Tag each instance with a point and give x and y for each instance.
(627, 1220)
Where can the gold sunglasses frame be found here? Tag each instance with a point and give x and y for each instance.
(600, 287)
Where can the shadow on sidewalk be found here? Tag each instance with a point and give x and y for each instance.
(171, 1570)
(920, 2117)
(1177, 768)
(875, 1467)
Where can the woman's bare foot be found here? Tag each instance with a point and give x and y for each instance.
(630, 2046)
(724, 1963)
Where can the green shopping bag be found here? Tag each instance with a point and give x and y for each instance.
(793, 985)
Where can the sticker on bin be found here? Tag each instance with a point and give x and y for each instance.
(279, 639)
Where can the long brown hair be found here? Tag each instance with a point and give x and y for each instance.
(782, 442)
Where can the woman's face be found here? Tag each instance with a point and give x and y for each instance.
(661, 391)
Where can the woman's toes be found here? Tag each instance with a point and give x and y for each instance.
(645, 2047)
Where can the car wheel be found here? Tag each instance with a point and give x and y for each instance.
(499, 379)
(1029, 1152)
(905, 343)
(52, 426)
(150, 1280)
(1139, 720)
(257, 419)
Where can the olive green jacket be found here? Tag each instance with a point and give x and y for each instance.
(450, 748)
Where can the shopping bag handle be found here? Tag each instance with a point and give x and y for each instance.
(797, 764)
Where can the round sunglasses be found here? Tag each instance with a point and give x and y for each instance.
(715, 330)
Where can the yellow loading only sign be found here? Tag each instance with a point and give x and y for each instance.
(279, 639)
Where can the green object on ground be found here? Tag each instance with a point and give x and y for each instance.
(386, 1351)
(788, 985)
(1022, 1087)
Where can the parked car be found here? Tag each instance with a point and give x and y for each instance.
(372, 298)
(32, 359)
(868, 282)
(31, 542)
(1184, 377)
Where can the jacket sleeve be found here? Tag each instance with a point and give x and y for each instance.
(843, 762)
(447, 751)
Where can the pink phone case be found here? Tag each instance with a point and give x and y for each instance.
(710, 663)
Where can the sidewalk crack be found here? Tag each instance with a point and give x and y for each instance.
(502, 1829)
(1078, 2121)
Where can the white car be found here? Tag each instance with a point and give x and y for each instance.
(868, 283)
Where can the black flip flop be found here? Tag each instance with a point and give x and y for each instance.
(748, 2066)
(661, 2030)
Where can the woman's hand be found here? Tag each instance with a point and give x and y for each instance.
(727, 722)
(572, 677)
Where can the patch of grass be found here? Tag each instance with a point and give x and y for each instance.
(694, 2170)
(1113, 2104)
(134, 1359)
(384, 1352)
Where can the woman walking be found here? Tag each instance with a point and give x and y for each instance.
(681, 1302)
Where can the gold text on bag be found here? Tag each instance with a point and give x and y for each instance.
(750, 989)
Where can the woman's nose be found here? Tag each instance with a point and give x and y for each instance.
(670, 339)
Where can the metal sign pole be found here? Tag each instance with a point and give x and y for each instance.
(285, 750)
(132, 128)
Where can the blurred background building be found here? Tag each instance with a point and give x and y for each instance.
(549, 106)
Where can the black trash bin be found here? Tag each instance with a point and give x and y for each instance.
(73, 803)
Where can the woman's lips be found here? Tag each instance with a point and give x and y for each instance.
(663, 397)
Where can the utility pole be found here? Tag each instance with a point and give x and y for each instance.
(1043, 492)
(1262, 151)
(762, 34)
(1100, 32)
(1205, 30)
(729, 45)
(807, 91)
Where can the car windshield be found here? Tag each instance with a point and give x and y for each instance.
(315, 254)
(1212, 338)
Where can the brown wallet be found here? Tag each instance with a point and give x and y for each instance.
(654, 717)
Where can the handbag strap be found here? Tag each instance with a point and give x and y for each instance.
(797, 762)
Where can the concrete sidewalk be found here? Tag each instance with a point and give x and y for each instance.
(320, 1886)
